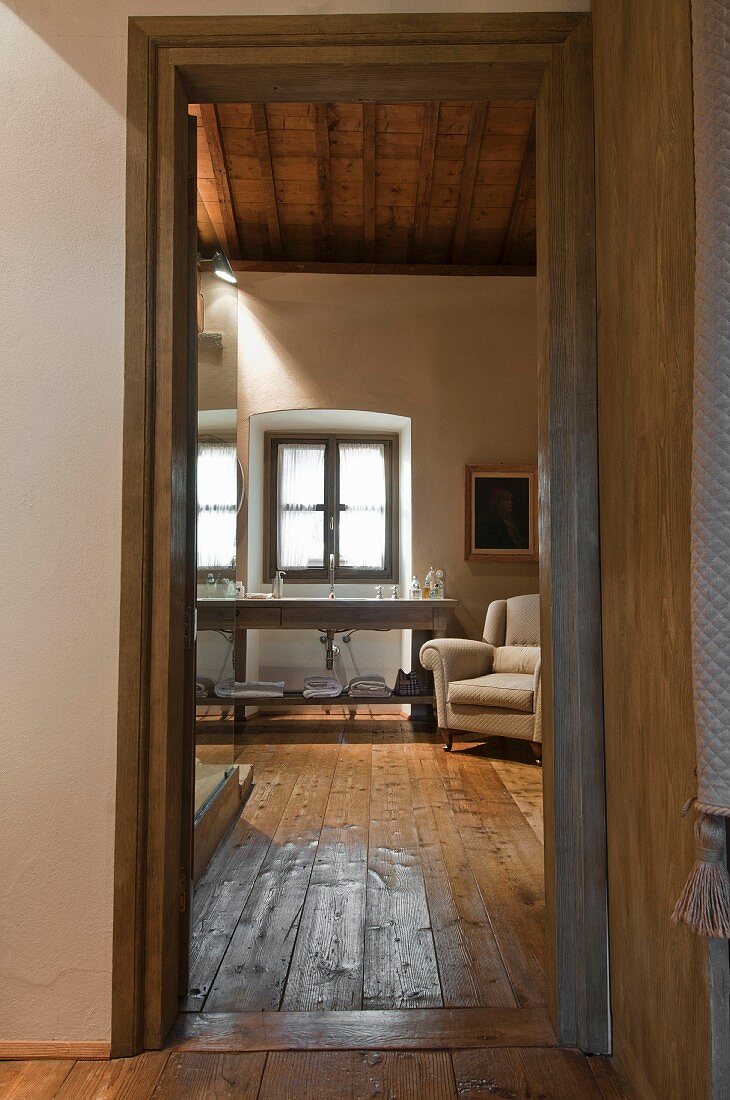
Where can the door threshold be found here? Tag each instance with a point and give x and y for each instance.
(381, 1029)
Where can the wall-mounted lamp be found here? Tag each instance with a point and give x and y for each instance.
(220, 266)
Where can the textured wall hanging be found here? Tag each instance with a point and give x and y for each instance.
(705, 902)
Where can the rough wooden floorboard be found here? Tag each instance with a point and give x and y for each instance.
(254, 969)
(507, 863)
(34, 1080)
(426, 1075)
(471, 968)
(211, 1076)
(326, 971)
(118, 1079)
(400, 956)
(244, 850)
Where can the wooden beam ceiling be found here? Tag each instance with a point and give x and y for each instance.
(368, 181)
(468, 179)
(436, 184)
(212, 130)
(263, 146)
(425, 178)
(525, 188)
(324, 180)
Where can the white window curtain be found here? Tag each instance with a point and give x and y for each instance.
(362, 503)
(217, 501)
(301, 505)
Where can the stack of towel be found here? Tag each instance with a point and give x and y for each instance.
(322, 687)
(249, 689)
(203, 687)
(368, 687)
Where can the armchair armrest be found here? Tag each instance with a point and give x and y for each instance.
(454, 659)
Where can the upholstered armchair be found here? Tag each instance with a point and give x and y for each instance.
(492, 687)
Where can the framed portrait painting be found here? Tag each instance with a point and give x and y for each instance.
(501, 513)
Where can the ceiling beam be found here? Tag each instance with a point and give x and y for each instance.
(368, 181)
(263, 148)
(468, 178)
(208, 239)
(525, 185)
(324, 181)
(308, 267)
(425, 179)
(212, 129)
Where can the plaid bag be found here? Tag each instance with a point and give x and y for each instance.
(407, 683)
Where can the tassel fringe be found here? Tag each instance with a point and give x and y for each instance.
(704, 905)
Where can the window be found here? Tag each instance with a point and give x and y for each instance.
(332, 495)
(217, 504)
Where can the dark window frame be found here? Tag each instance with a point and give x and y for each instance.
(272, 442)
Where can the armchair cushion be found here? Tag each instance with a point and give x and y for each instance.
(507, 690)
(516, 658)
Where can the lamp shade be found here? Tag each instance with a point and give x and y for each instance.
(220, 266)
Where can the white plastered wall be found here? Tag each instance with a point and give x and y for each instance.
(62, 82)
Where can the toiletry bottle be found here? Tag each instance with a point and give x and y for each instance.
(428, 584)
(211, 586)
(415, 592)
(440, 592)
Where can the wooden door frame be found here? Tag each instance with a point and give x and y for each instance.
(173, 61)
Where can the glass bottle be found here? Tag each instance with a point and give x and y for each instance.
(440, 592)
(415, 591)
(428, 584)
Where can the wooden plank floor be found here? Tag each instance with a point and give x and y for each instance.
(375, 893)
(370, 870)
(320, 1075)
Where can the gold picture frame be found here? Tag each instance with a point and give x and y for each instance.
(501, 513)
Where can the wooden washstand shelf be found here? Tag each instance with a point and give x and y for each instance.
(322, 614)
(296, 699)
(425, 618)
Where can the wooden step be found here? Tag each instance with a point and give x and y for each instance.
(380, 1029)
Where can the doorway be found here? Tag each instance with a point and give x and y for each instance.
(176, 62)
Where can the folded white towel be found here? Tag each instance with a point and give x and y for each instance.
(249, 689)
(364, 686)
(322, 687)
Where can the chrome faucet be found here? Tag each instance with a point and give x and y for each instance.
(332, 595)
(277, 588)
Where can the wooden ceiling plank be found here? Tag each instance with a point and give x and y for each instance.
(468, 177)
(263, 148)
(324, 181)
(212, 128)
(525, 187)
(368, 172)
(306, 267)
(425, 179)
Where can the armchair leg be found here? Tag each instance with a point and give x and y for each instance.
(537, 750)
(447, 738)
